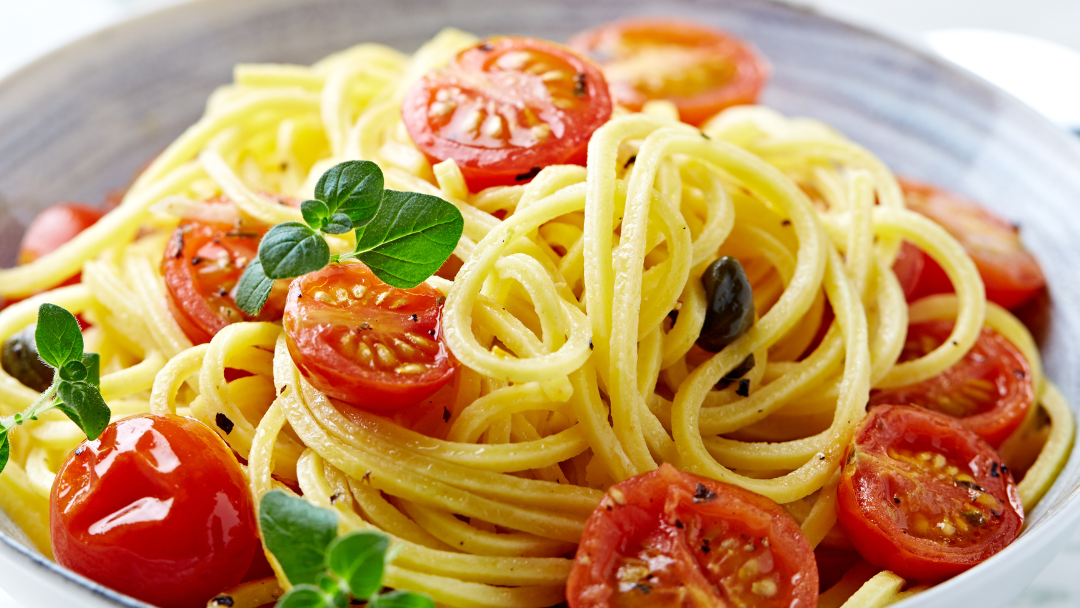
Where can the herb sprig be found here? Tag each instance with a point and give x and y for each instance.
(327, 571)
(76, 385)
(403, 237)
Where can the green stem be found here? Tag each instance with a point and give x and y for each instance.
(43, 404)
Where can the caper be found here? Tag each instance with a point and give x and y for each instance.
(730, 299)
(20, 359)
(740, 370)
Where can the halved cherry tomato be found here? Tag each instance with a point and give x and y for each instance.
(203, 263)
(908, 267)
(699, 69)
(990, 390)
(364, 342)
(668, 538)
(925, 497)
(156, 508)
(55, 226)
(506, 108)
(1011, 274)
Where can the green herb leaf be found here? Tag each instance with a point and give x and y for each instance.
(5, 450)
(401, 599)
(292, 249)
(359, 558)
(410, 237)
(92, 361)
(73, 371)
(339, 223)
(298, 534)
(315, 213)
(58, 336)
(82, 402)
(305, 596)
(254, 288)
(354, 188)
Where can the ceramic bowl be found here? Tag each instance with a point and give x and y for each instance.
(82, 120)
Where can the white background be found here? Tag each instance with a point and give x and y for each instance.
(31, 28)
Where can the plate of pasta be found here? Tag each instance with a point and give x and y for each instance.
(529, 305)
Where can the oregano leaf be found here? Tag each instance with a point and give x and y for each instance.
(353, 188)
(359, 558)
(254, 288)
(401, 599)
(83, 404)
(298, 534)
(92, 361)
(292, 249)
(315, 213)
(5, 449)
(339, 223)
(304, 596)
(73, 371)
(58, 336)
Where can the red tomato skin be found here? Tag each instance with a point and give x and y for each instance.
(484, 166)
(654, 506)
(55, 226)
(861, 496)
(993, 359)
(339, 376)
(1011, 275)
(751, 69)
(909, 267)
(156, 508)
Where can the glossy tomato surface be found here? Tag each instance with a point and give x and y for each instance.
(925, 497)
(990, 390)
(55, 226)
(506, 108)
(364, 342)
(668, 538)
(156, 508)
(1011, 274)
(202, 266)
(699, 69)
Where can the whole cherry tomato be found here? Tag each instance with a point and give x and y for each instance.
(156, 508)
(668, 538)
(506, 108)
(55, 226)
(1011, 274)
(364, 342)
(925, 497)
(700, 69)
(202, 266)
(990, 390)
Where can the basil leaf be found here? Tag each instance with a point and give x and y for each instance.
(73, 371)
(82, 403)
(58, 336)
(315, 213)
(410, 237)
(401, 599)
(354, 188)
(339, 223)
(304, 596)
(5, 450)
(359, 558)
(297, 533)
(92, 361)
(292, 249)
(254, 288)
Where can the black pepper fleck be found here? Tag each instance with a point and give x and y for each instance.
(896, 499)
(486, 46)
(579, 84)
(703, 494)
(785, 223)
(224, 423)
(994, 470)
(643, 588)
(629, 161)
(445, 414)
(744, 388)
(531, 173)
(222, 600)
(79, 450)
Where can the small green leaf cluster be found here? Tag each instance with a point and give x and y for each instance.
(404, 237)
(327, 571)
(76, 385)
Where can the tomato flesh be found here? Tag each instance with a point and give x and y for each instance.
(506, 108)
(55, 226)
(364, 342)
(925, 497)
(990, 390)
(203, 264)
(1012, 275)
(668, 538)
(156, 508)
(699, 69)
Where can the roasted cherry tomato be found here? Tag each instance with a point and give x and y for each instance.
(923, 496)
(668, 538)
(203, 263)
(1011, 274)
(699, 69)
(506, 108)
(990, 390)
(156, 508)
(55, 226)
(364, 342)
